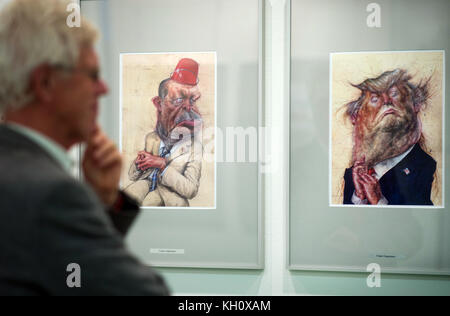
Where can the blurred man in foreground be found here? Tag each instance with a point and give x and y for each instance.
(49, 91)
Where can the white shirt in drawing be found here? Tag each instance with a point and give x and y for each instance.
(381, 169)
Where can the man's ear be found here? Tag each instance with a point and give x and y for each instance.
(353, 117)
(41, 83)
(157, 102)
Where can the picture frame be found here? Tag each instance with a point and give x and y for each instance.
(323, 237)
(230, 234)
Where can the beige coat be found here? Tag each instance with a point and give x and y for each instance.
(176, 184)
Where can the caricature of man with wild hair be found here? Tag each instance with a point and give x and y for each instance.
(390, 167)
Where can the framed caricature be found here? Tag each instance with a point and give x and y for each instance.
(193, 75)
(368, 148)
(181, 75)
(392, 126)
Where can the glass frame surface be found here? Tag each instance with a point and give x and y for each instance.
(231, 235)
(410, 240)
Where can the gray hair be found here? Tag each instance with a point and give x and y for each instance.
(33, 33)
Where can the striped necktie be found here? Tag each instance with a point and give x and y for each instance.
(165, 151)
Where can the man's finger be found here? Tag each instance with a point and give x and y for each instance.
(361, 160)
(366, 178)
(144, 167)
(363, 181)
(109, 160)
(105, 150)
(359, 163)
(370, 179)
(143, 164)
(140, 157)
(140, 167)
(357, 171)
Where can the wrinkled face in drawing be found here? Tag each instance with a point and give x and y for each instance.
(389, 112)
(177, 111)
(385, 117)
(180, 106)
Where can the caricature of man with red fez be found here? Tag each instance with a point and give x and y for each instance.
(168, 171)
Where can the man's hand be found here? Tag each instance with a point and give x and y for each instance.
(102, 165)
(371, 188)
(146, 161)
(359, 169)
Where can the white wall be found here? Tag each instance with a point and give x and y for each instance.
(3, 2)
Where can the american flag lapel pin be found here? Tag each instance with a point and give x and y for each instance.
(406, 171)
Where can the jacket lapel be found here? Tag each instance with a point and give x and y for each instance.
(396, 182)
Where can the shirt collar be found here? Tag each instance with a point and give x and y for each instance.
(56, 151)
(384, 166)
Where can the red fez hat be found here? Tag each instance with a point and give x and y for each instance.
(186, 72)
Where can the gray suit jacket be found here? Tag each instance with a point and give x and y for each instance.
(49, 220)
